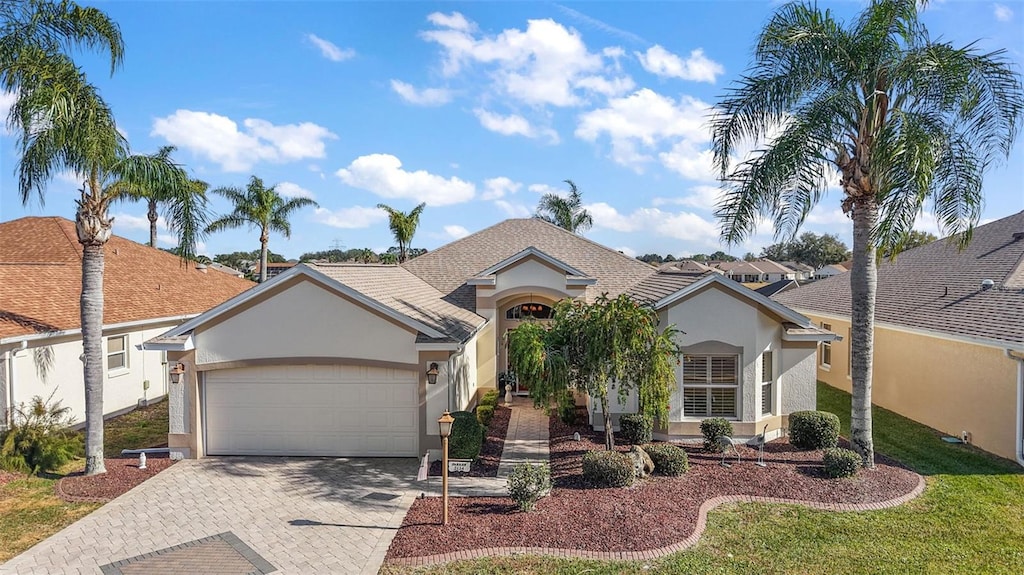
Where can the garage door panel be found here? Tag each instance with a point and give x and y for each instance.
(312, 410)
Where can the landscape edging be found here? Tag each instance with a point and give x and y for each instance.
(650, 554)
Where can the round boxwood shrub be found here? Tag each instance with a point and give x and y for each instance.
(636, 428)
(841, 462)
(467, 436)
(490, 398)
(668, 459)
(608, 469)
(813, 429)
(528, 483)
(712, 428)
(484, 413)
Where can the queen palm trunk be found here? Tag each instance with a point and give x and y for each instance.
(94, 229)
(153, 217)
(264, 239)
(863, 285)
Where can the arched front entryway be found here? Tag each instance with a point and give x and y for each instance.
(513, 312)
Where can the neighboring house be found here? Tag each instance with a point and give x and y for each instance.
(830, 270)
(687, 266)
(146, 292)
(757, 271)
(802, 271)
(344, 371)
(225, 269)
(949, 335)
(273, 269)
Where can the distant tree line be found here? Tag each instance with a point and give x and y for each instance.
(810, 249)
(718, 256)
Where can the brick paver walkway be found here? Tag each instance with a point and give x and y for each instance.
(301, 515)
(525, 442)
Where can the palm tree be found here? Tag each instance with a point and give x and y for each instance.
(182, 206)
(403, 227)
(63, 124)
(260, 207)
(905, 120)
(566, 213)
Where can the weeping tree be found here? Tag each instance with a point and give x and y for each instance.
(611, 347)
(904, 120)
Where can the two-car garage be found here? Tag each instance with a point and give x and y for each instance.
(317, 410)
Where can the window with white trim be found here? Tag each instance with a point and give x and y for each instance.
(767, 379)
(117, 352)
(710, 384)
(826, 348)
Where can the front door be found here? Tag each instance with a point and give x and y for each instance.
(514, 316)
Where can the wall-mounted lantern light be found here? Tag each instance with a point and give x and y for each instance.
(432, 373)
(176, 372)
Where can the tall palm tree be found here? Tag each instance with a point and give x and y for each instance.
(403, 227)
(259, 207)
(904, 120)
(183, 206)
(567, 212)
(63, 124)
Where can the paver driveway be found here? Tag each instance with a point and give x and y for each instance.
(300, 515)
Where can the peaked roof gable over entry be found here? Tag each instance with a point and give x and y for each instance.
(938, 288)
(41, 280)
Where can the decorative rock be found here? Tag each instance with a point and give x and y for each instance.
(643, 465)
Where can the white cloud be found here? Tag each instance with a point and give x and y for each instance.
(7, 100)
(495, 188)
(679, 225)
(356, 217)
(546, 189)
(126, 221)
(513, 210)
(641, 121)
(456, 232)
(424, 97)
(455, 21)
(330, 50)
(1002, 12)
(601, 25)
(513, 125)
(290, 190)
(688, 162)
(219, 139)
(538, 66)
(73, 178)
(827, 217)
(698, 67)
(383, 175)
(607, 86)
(626, 250)
(702, 197)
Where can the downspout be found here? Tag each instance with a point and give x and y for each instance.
(1019, 449)
(11, 355)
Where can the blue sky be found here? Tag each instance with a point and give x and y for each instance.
(475, 108)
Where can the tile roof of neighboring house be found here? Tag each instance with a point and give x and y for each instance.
(757, 267)
(799, 267)
(936, 287)
(685, 266)
(448, 267)
(400, 290)
(225, 269)
(41, 280)
(662, 284)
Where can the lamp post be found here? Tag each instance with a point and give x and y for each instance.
(445, 426)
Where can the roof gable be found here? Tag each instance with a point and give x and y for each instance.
(531, 252)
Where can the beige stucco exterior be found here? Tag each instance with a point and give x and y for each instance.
(949, 384)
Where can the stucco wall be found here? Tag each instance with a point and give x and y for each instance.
(949, 385)
(487, 357)
(798, 388)
(305, 320)
(529, 272)
(52, 366)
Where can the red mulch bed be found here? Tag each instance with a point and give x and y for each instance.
(486, 464)
(653, 513)
(7, 477)
(121, 476)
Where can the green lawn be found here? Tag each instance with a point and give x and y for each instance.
(969, 520)
(29, 509)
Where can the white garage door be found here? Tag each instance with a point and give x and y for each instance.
(312, 410)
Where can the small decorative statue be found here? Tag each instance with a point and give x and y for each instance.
(142, 460)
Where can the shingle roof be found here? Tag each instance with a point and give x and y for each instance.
(776, 287)
(400, 290)
(662, 284)
(685, 266)
(936, 287)
(41, 280)
(448, 267)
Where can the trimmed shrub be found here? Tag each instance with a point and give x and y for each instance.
(467, 436)
(813, 429)
(528, 483)
(713, 428)
(668, 459)
(636, 428)
(567, 408)
(841, 462)
(608, 469)
(484, 413)
(40, 438)
(490, 398)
